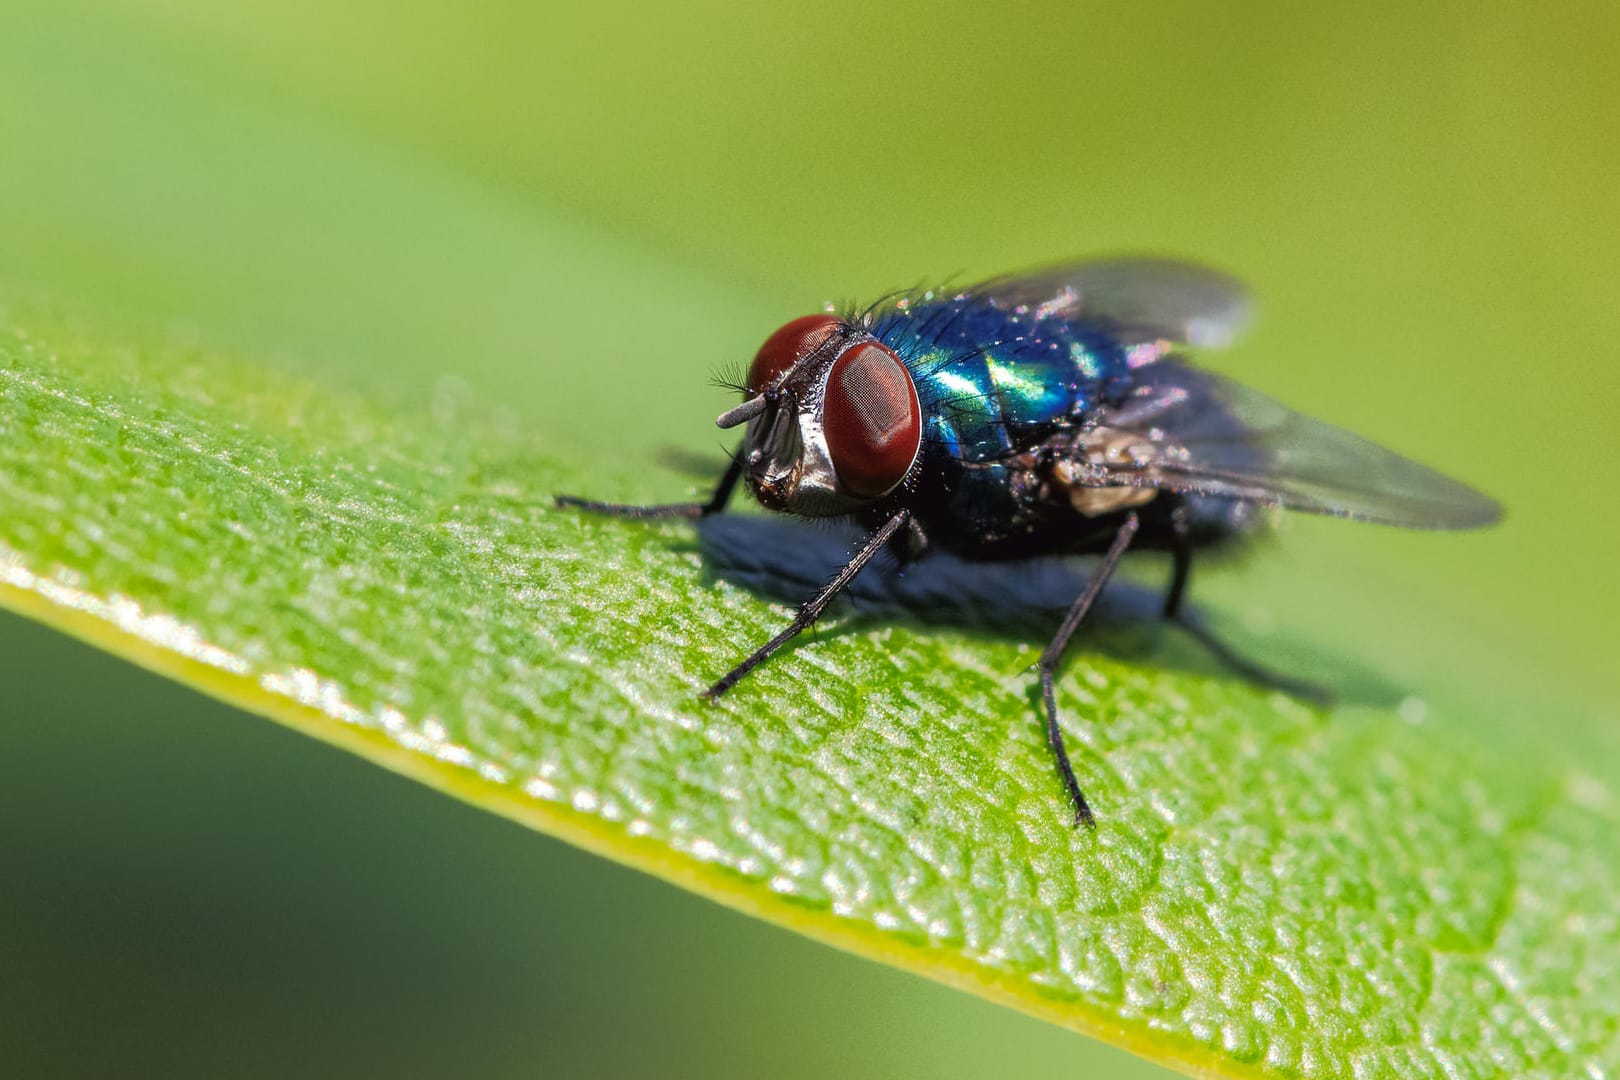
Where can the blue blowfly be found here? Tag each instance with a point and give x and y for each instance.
(1043, 414)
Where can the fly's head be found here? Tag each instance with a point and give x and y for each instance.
(833, 419)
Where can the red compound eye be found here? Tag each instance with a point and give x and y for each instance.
(788, 346)
(871, 419)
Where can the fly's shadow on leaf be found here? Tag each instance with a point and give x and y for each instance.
(787, 561)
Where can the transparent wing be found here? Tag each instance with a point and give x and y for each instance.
(1139, 299)
(1189, 430)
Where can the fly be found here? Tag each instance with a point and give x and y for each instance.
(1045, 414)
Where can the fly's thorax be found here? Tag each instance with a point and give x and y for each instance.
(840, 424)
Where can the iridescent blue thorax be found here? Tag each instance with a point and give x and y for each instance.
(995, 383)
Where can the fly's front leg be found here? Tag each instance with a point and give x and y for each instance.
(1054, 654)
(812, 609)
(717, 501)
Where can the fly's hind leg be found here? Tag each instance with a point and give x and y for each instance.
(1175, 596)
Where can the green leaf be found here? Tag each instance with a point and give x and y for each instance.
(1272, 890)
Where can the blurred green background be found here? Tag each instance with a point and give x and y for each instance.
(575, 213)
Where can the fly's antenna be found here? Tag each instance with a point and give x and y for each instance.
(742, 413)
